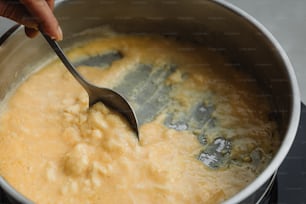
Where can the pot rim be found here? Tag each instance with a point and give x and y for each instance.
(289, 136)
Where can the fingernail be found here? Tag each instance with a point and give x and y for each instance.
(59, 33)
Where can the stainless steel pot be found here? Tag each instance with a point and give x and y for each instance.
(219, 25)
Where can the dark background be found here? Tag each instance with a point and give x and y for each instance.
(291, 176)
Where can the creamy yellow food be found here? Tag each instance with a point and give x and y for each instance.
(53, 149)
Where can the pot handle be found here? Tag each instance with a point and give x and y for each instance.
(8, 33)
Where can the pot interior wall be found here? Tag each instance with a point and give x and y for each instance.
(203, 22)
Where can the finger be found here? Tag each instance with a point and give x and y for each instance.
(44, 17)
(14, 10)
(31, 32)
(50, 4)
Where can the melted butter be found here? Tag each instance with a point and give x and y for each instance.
(54, 150)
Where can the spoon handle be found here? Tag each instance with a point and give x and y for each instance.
(59, 52)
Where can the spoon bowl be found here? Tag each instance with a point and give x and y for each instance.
(96, 94)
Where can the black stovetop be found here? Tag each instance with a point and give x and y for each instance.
(291, 176)
(290, 185)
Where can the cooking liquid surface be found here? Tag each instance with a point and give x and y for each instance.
(206, 130)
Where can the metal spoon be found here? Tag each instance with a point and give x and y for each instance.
(109, 97)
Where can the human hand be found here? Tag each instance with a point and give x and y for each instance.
(34, 15)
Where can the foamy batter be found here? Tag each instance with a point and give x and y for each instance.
(54, 150)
